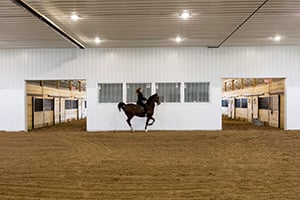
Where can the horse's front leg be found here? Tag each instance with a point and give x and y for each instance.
(153, 120)
(147, 122)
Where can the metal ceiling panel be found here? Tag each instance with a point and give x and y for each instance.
(19, 29)
(143, 23)
(276, 18)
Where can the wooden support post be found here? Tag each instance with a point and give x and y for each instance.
(79, 86)
(232, 84)
(57, 84)
(225, 86)
(70, 85)
(254, 82)
(242, 83)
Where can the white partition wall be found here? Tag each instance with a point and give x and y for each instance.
(151, 65)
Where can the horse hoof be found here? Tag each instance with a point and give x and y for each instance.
(146, 131)
(132, 130)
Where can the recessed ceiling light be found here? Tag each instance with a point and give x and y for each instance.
(185, 14)
(277, 38)
(178, 39)
(74, 17)
(97, 40)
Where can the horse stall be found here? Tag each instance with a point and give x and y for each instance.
(70, 109)
(52, 102)
(260, 101)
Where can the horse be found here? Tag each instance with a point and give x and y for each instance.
(132, 110)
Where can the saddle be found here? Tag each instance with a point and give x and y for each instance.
(143, 109)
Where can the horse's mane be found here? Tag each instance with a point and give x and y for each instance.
(151, 97)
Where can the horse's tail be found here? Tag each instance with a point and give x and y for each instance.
(121, 105)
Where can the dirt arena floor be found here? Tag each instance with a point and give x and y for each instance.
(65, 162)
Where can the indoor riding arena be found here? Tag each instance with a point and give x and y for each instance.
(149, 100)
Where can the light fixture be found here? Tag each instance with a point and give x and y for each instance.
(97, 40)
(185, 14)
(277, 38)
(178, 39)
(74, 17)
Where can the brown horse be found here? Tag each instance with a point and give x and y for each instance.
(132, 110)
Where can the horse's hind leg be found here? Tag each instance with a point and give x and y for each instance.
(128, 122)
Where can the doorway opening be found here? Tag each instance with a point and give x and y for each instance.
(254, 101)
(53, 102)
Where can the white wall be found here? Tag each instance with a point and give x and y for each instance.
(177, 64)
(12, 106)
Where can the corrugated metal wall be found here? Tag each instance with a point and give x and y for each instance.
(178, 64)
(148, 64)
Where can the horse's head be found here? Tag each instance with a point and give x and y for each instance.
(153, 99)
(156, 98)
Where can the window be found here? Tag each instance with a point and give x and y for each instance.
(244, 103)
(168, 92)
(237, 103)
(38, 105)
(263, 103)
(48, 104)
(110, 92)
(43, 104)
(241, 103)
(131, 90)
(71, 104)
(224, 102)
(196, 92)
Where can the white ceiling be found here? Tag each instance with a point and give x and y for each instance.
(150, 23)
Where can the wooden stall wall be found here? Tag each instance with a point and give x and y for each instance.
(264, 102)
(29, 113)
(282, 115)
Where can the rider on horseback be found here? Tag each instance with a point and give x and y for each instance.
(141, 99)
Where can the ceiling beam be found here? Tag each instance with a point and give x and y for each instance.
(47, 21)
(237, 28)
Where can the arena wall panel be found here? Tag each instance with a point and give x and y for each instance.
(169, 64)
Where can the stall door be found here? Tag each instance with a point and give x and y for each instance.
(79, 109)
(255, 107)
(274, 111)
(231, 108)
(249, 109)
(56, 111)
(62, 111)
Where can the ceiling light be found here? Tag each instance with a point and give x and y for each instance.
(97, 40)
(178, 39)
(74, 17)
(277, 38)
(185, 14)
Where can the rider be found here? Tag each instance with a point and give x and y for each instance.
(141, 99)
